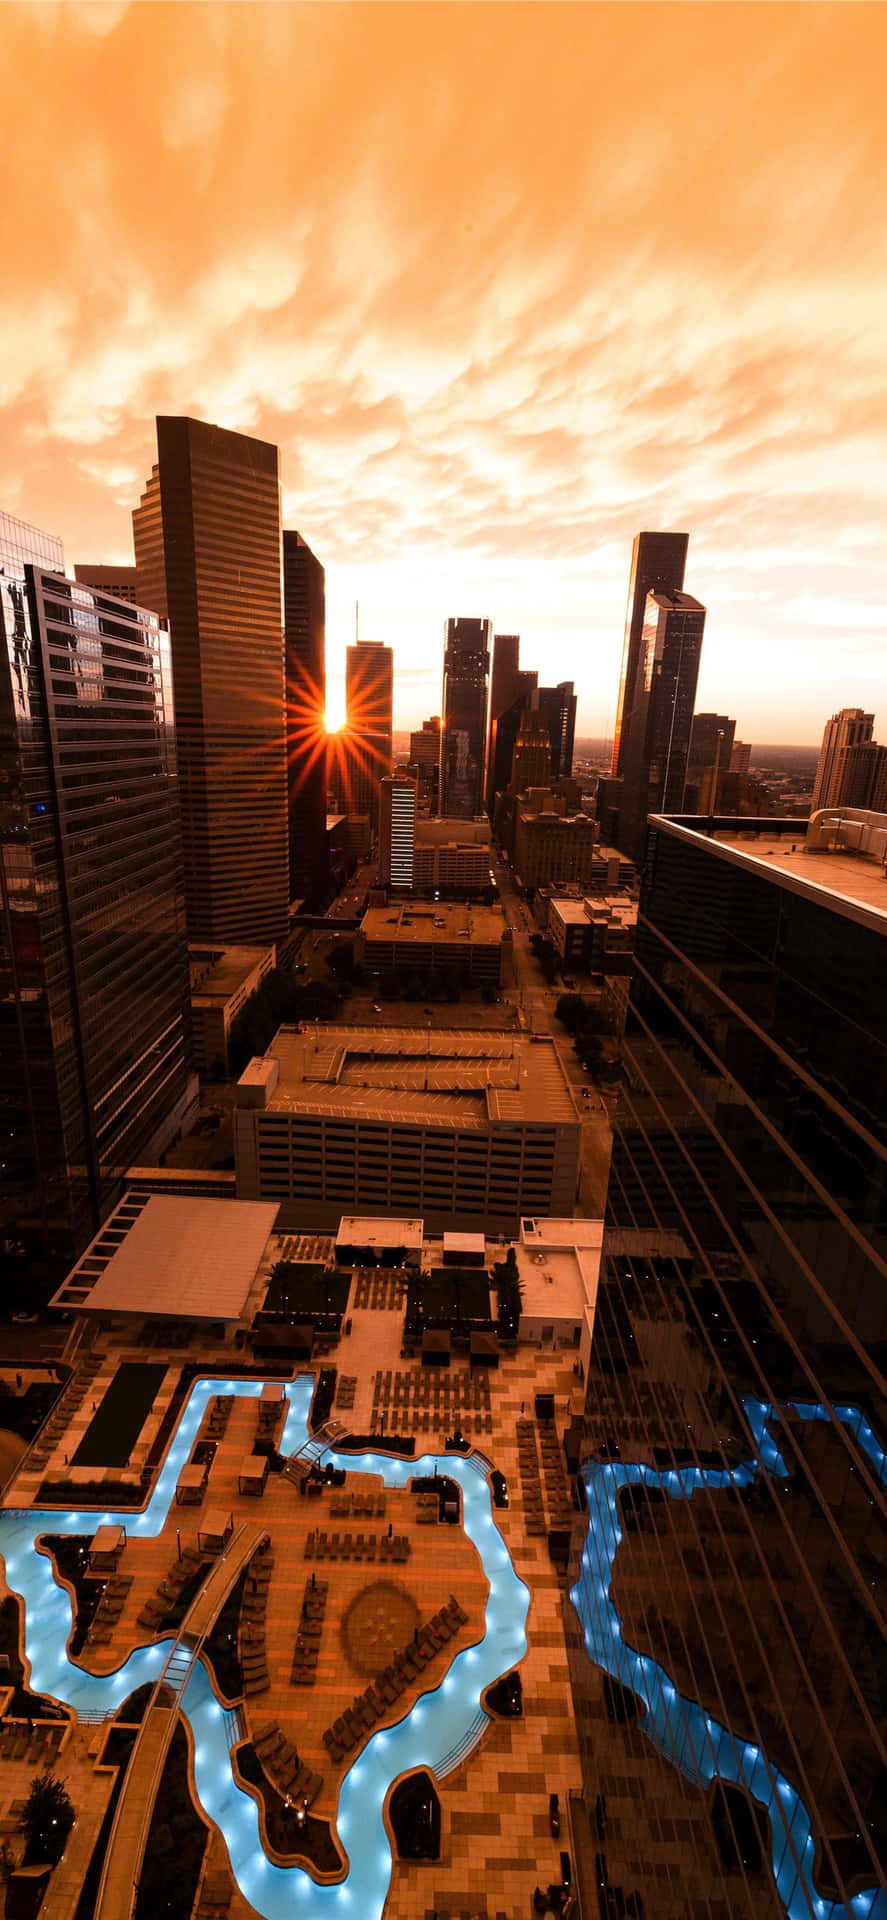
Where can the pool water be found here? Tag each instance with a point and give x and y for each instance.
(683, 1732)
(441, 1725)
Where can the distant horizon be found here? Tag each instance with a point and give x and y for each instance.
(596, 745)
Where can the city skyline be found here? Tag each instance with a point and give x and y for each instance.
(471, 420)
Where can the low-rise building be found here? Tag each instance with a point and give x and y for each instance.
(552, 846)
(464, 1129)
(454, 866)
(593, 935)
(434, 936)
(222, 980)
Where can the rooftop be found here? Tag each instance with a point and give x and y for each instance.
(558, 1263)
(434, 921)
(356, 1230)
(180, 1255)
(448, 832)
(422, 1076)
(574, 912)
(855, 883)
(549, 817)
(217, 972)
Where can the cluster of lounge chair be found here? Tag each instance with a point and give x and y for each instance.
(31, 1740)
(304, 1672)
(451, 1393)
(282, 1766)
(109, 1609)
(531, 1484)
(402, 1672)
(345, 1389)
(62, 1413)
(253, 1609)
(556, 1486)
(157, 1609)
(437, 1420)
(382, 1290)
(369, 1504)
(357, 1546)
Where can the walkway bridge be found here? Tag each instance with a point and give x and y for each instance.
(132, 1820)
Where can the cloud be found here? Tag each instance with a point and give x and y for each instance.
(505, 284)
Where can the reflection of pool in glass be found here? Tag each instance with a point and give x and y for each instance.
(441, 1725)
(699, 1745)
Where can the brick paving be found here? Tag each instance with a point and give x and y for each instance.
(495, 1840)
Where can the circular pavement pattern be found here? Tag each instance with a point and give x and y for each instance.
(380, 1619)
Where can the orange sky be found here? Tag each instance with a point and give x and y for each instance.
(506, 283)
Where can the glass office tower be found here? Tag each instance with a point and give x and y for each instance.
(304, 626)
(207, 538)
(94, 1007)
(657, 565)
(368, 743)
(464, 718)
(728, 1654)
(654, 758)
(559, 707)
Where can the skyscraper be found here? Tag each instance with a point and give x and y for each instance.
(505, 680)
(368, 743)
(119, 581)
(734, 1573)
(654, 759)
(657, 565)
(425, 759)
(862, 776)
(94, 1009)
(397, 830)
(208, 553)
(503, 734)
(464, 714)
(304, 629)
(848, 728)
(531, 761)
(709, 762)
(558, 704)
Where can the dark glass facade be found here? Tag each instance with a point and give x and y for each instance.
(304, 627)
(207, 539)
(558, 704)
(464, 718)
(730, 1661)
(657, 564)
(654, 760)
(505, 685)
(367, 744)
(94, 1007)
(504, 729)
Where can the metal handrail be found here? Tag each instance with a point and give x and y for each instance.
(194, 1648)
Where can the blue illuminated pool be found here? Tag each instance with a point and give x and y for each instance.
(441, 1725)
(698, 1744)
